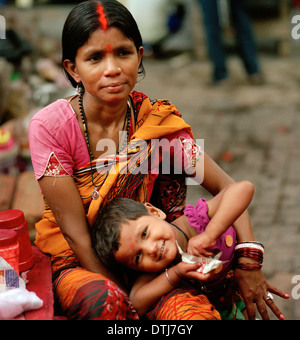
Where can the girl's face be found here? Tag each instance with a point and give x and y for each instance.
(107, 65)
(147, 244)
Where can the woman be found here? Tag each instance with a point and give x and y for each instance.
(96, 146)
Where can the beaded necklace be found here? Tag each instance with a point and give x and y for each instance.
(95, 193)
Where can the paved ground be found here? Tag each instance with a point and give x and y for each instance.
(253, 132)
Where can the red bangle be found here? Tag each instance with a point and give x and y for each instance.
(249, 266)
(251, 253)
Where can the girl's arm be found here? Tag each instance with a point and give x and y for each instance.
(150, 287)
(223, 210)
(65, 202)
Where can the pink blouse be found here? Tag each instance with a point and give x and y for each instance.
(57, 144)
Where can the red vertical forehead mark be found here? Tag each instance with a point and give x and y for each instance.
(108, 48)
(102, 17)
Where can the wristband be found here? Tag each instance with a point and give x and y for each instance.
(169, 279)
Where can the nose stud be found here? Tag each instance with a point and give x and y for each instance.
(119, 69)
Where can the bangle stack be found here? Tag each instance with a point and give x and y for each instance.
(252, 250)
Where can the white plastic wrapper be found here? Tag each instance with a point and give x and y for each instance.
(208, 263)
(16, 301)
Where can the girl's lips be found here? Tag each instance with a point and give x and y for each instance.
(162, 250)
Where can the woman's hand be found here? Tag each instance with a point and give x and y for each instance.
(255, 290)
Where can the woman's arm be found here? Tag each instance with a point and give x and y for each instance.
(214, 180)
(66, 204)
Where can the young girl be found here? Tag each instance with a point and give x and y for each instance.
(138, 237)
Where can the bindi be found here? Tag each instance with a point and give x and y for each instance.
(108, 47)
(102, 17)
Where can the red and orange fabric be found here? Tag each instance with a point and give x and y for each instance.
(181, 304)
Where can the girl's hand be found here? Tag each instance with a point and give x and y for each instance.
(189, 271)
(199, 245)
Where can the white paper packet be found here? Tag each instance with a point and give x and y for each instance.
(208, 263)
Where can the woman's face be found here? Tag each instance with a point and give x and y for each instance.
(107, 65)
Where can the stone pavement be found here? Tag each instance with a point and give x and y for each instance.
(253, 132)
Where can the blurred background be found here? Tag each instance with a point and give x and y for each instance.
(249, 120)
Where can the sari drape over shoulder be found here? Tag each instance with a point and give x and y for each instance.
(127, 174)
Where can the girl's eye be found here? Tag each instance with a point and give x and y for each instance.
(137, 260)
(145, 233)
(138, 257)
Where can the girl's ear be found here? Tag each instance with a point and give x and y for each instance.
(71, 68)
(155, 211)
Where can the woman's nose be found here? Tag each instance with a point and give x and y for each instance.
(111, 67)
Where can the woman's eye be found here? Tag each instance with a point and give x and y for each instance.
(124, 53)
(95, 58)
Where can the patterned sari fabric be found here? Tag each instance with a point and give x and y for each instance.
(82, 295)
(181, 304)
(79, 293)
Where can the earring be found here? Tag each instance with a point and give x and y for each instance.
(80, 88)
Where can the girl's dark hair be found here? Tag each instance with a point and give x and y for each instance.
(83, 20)
(105, 233)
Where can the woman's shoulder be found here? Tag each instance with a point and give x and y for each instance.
(55, 114)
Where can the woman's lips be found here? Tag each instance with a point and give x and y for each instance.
(114, 87)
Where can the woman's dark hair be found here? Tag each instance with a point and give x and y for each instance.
(83, 20)
(105, 232)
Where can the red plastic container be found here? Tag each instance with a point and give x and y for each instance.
(9, 248)
(15, 220)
